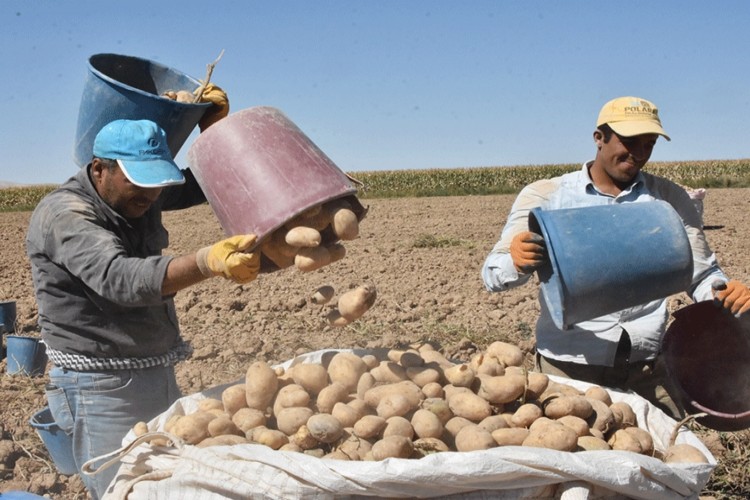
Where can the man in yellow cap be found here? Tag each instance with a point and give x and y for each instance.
(619, 349)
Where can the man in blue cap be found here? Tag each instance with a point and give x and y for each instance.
(105, 291)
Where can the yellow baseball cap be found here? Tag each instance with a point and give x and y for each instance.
(629, 116)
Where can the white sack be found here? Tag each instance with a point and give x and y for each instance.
(255, 471)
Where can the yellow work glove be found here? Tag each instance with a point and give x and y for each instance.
(216, 96)
(528, 251)
(228, 258)
(733, 295)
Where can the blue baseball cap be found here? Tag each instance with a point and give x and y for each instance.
(140, 148)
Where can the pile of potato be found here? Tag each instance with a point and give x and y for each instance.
(312, 239)
(414, 403)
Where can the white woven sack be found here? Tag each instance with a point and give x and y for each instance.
(247, 471)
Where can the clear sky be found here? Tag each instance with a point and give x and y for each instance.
(396, 84)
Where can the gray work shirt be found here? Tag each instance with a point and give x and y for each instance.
(98, 276)
(595, 341)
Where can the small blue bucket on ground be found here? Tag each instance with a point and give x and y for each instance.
(8, 316)
(59, 445)
(126, 87)
(26, 355)
(604, 259)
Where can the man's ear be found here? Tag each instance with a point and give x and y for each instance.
(598, 138)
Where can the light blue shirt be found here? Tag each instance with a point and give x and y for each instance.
(594, 342)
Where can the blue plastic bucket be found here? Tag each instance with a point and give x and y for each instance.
(8, 316)
(59, 445)
(126, 87)
(607, 258)
(26, 356)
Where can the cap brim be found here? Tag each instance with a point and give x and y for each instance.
(151, 173)
(633, 128)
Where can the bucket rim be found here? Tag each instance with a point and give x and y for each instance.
(103, 76)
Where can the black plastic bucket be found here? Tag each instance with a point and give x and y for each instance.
(126, 87)
(707, 353)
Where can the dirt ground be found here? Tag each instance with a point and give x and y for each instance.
(424, 256)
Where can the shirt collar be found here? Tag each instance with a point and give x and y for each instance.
(588, 185)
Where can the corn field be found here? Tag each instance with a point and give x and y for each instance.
(470, 181)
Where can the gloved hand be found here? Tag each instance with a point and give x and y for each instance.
(216, 96)
(732, 295)
(528, 251)
(228, 258)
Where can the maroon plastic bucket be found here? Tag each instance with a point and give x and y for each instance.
(259, 170)
(707, 353)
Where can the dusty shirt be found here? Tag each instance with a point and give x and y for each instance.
(98, 276)
(594, 342)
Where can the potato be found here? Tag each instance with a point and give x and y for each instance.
(193, 428)
(536, 384)
(280, 246)
(623, 414)
(289, 420)
(576, 423)
(345, 224)
(304, 439)
(591, 443)
(472, 438)
(568, 405)
(393, 404)
(426, 424)
(459, 375)
(290, 396)
(210, 404)
(313, 377)
(171, 421)
(315, 217)
(469, 406)
(398, 426)
(501, 389)
(365, 383)
(425, 446)
(369, 426)
(337, 251)
(684, 453)
(278, 254)
(248, 418)
(406, 388)
(525, 415)
(140, 428)
(330, 395)
(335, 318)
(260, 385)
(355, 448)
(346, 414)
(233, 398)
(322, 295)
(623, 440)
(602, 418)
(302, 236)
(354, 303)
(312, 258)
(222, 440)
(392, 447)
(346, 368)
(389, 372)
(221, 426)
(433, 390)
(439, 407)
(433, 356)
(508, 354)
(371, 361)
(482, 363)
(554, 436)
(599, 393)
(424, 375)
(325, 428)
(493, 422)
(272, 438)
(510, 436)
(644, 437)
(410, 359)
